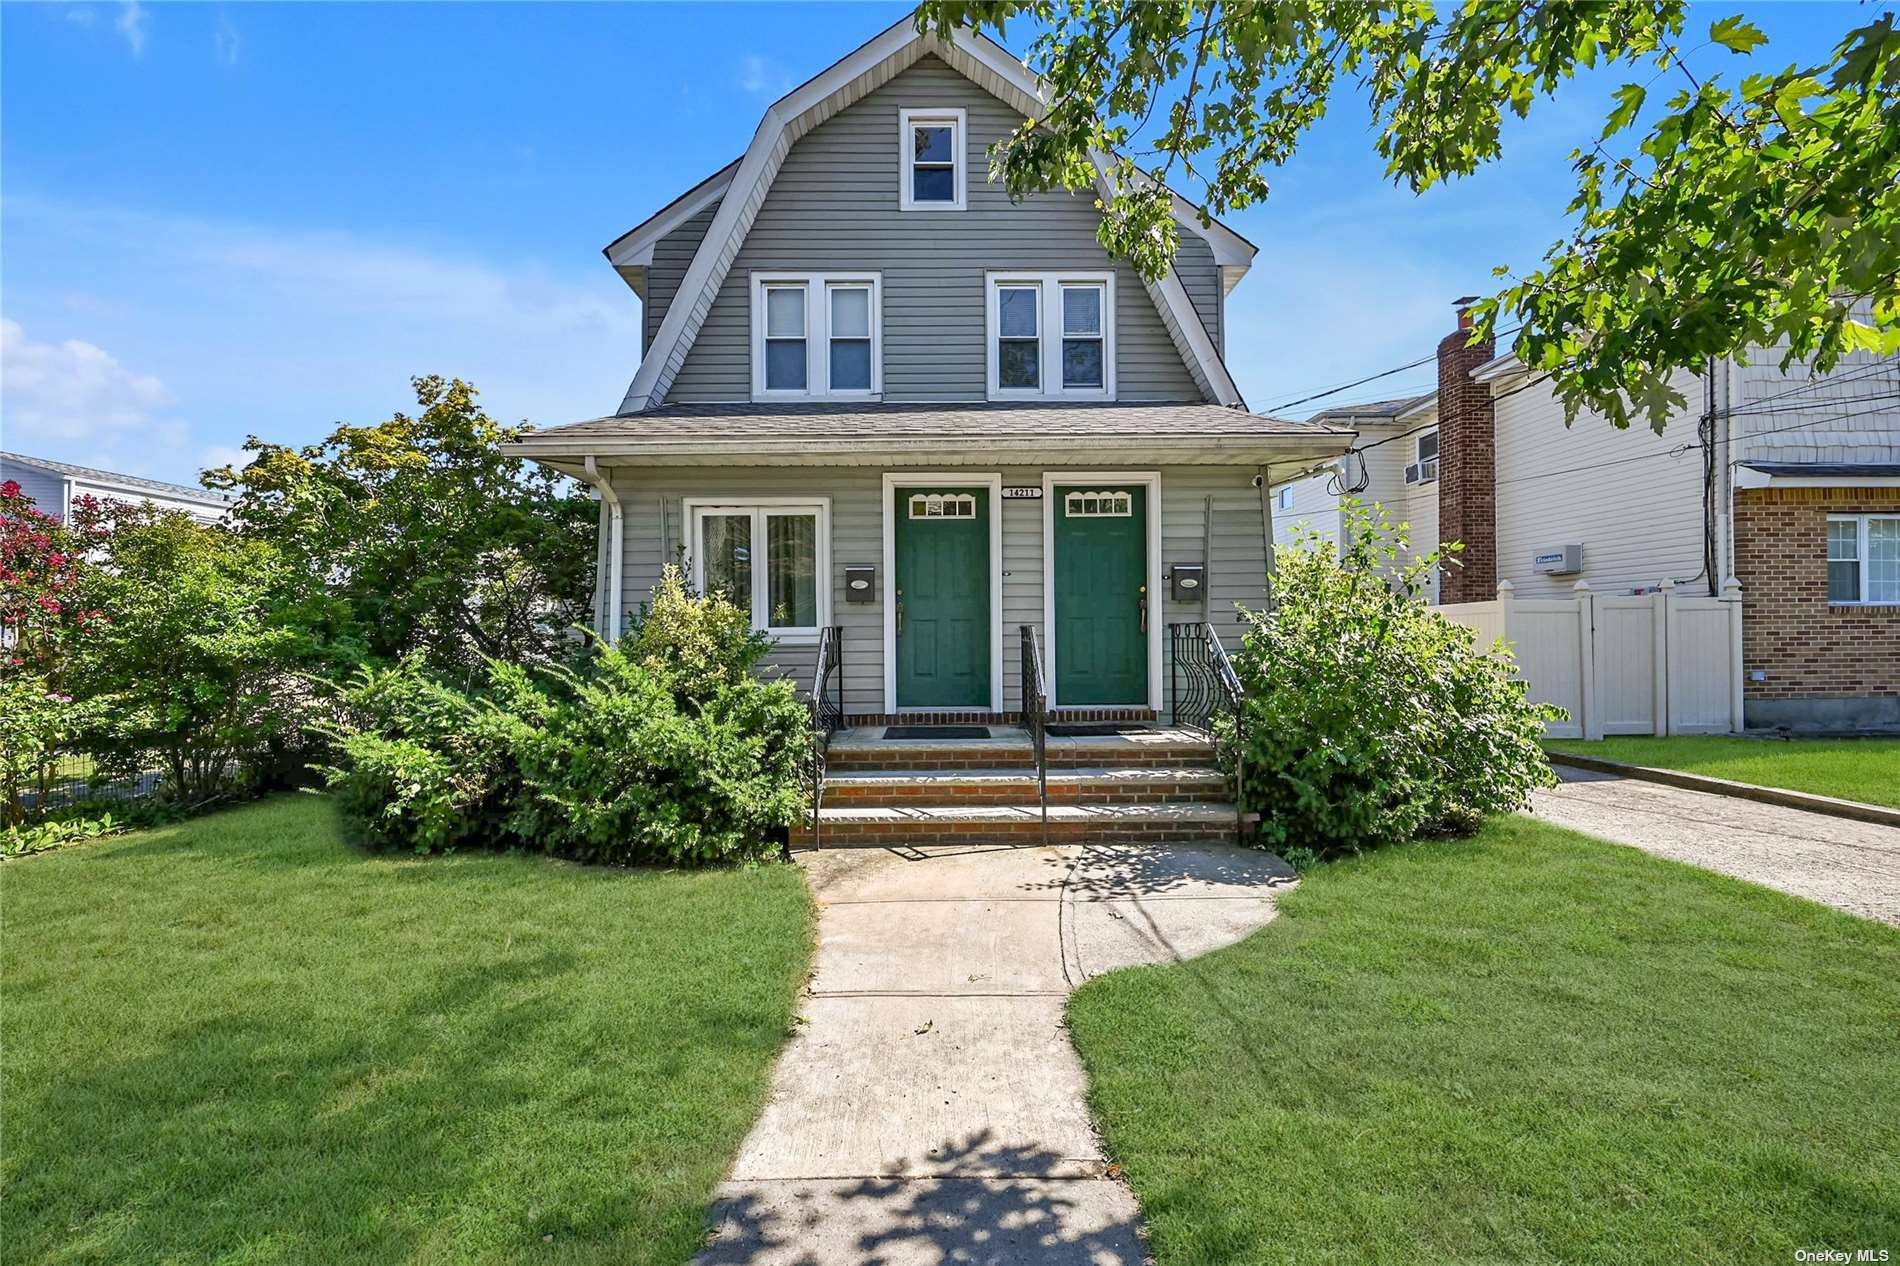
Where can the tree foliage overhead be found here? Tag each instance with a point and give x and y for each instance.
(1712, 213)
(419, 535)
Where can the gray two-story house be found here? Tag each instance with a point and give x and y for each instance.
(877, 394)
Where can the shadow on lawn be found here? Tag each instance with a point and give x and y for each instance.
(308, 1141)
(975, 1207)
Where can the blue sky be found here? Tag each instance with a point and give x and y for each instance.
(220, 220)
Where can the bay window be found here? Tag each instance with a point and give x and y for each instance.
(1051, 335)
(771, 558)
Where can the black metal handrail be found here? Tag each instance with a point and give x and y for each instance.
(826, 715)
(1036, 719)
(1205, 686)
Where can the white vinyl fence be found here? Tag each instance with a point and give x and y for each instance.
(1655, 663)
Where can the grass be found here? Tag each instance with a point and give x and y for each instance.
(240, 1040)
(1529, 1046)
(1867, 770)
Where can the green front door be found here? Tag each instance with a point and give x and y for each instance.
(942, 592)
(1101, 569)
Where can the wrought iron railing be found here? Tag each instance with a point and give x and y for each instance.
(1036, 719)
(827, 714)
(1206, 697)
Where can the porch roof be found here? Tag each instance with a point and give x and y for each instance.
(960, 434)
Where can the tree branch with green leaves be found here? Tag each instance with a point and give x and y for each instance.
(1739, 213)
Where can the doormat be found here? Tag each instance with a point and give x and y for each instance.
(937, 732)
(1096, 729)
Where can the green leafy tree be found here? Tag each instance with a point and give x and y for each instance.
(1753, 210)
(192, 666)
(419, 534)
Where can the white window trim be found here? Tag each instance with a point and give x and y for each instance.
(1861, 557)
(817, 334)
(906, 156)
(1418, 446)
(694, 509)
(1050, 333)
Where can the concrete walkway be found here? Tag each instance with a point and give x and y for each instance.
(930, 1107)
(1853, 866)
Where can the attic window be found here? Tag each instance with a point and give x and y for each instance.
(931, 147)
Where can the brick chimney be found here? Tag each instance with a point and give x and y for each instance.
(1467, 465)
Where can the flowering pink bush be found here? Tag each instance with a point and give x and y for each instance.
(42, 574)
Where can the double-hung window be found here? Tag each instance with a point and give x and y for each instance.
(816, 336)
(1863, 558)
(770, 558)
(931, 147)
(1051, 335)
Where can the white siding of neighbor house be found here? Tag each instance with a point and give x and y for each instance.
(834, 207)
(1415, 506)
(1630, 498)
(1234, 554)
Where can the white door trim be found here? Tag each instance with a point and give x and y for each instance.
(1151, 479)
(895, 479)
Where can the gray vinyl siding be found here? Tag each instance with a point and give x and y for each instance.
(671, 256)
(834, 207)
(1234, 554)
(1200, 277)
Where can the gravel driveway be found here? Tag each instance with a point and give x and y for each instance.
(1852, 866)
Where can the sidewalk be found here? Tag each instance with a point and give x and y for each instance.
(930, 1107)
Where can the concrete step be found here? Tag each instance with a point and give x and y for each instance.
(1196, 822)
(901, 788)
(1009, 747)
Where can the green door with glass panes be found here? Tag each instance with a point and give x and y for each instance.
(1101, 596)
(941, 597)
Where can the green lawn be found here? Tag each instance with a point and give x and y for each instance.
(1529, 1046)
(1867, 770)
(239, 1040)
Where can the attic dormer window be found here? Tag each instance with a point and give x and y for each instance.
(931, 146)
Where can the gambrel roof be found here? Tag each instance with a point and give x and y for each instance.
(741, 187)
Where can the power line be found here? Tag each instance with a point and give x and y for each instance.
(1384, 373)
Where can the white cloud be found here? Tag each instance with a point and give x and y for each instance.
(226, 41)
(215, 455)
(131, 24)
(763, 78)
(73, 391)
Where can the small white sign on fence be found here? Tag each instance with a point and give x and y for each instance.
(1653, 663)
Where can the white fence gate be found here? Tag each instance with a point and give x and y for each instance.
(1656, 663)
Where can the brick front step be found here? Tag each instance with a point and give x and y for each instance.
(909, 788)
(860, 750)
(1199, 822)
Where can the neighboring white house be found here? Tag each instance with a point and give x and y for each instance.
(1394, 464)
(1786, 482)
(54, 486)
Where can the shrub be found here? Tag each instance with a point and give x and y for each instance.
(1369, 716)
(638, 756)
(694, 644)
(194, 672)
(622, 773)
(38, 725)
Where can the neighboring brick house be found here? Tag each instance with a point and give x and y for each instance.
(1788, 483)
